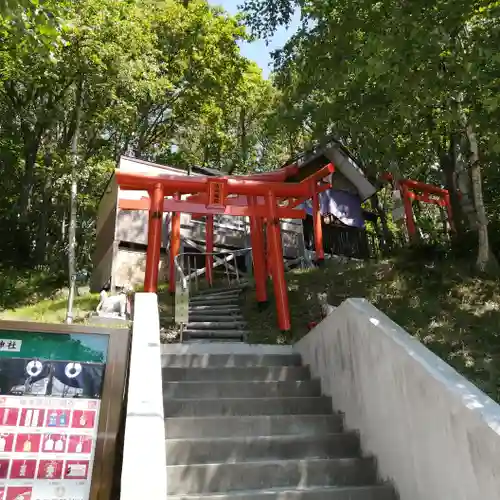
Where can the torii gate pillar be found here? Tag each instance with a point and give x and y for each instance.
(209, 259)
(175, 245)
(276, 248)
(318, 228)
(258, 254)
(154, 239)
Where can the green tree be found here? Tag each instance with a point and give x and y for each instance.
(402, 84)
(162, 80)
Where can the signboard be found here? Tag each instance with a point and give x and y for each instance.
(181, 304)
(398, 213)
(51, 389)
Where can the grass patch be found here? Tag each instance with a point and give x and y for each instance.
(53, 310)
(454, 313)
(36, 295)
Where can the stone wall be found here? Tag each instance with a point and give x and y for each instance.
(435, 435)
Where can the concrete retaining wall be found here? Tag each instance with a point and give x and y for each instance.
(435, 435)
(144, 473)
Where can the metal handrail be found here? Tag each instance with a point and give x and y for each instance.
(183, 281)
(223, 257)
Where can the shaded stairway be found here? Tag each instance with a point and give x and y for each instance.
(256, 427)
(215, 314)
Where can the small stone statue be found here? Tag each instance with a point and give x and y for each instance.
(326, 309)
(115, 305)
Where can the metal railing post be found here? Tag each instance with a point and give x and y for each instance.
(195, 265)
(227, 271)
(236, 268)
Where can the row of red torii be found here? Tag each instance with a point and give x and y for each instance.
(265, 198)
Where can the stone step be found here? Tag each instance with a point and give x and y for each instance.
(213, 390)
(213, 295)
(213, 341)
(270, 373)
(267, 448)
(225, 477)
(252, 426)
(246, 406)
(229, 360)
(218, 316)
(384, 492)
(211, 313)
(190, 333)
(214, 302)
(209, 291)
(218, 298)
(215, 309)
(203, 317)
(216, 325)
(220, 295)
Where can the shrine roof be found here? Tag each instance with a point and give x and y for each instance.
(344, 162)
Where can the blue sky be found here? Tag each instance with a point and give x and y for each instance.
(259, 51)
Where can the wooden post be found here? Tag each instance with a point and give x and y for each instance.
(318, 228)
(276, 248)
(449, 211)
(269, 255)
(175, 243)
(258, 255)
(410, 222)
(154, 239)
(209, 261)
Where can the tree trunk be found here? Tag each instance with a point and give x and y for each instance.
(73, 205)
(447, 160)
(31, 147)
(412, 239)
(63, 226)
(243, 136)
(386, 239)
(30, 153)
(138, 151)
(463, 180)
(206, 155)
(42, 239)
(485, 258)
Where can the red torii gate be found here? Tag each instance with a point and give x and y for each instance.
(262, 197)
(427, 193)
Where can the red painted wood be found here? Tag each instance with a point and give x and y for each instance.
(154, 239)
(175, 245)
(209, 259)
(279, 282)
(201, 210)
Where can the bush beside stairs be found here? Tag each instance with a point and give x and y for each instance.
(215, 315)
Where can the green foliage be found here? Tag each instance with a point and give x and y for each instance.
(18, 289)
(435, 298)
(160, 80)
(398, 83)
(54, 310)
(265, 16)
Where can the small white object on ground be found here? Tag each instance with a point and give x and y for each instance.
(326, 309)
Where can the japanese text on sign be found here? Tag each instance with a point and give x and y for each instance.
(10, 345)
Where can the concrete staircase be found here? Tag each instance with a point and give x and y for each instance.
(215, 314)
(256, 427)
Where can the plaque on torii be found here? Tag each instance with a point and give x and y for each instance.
(217, 193)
